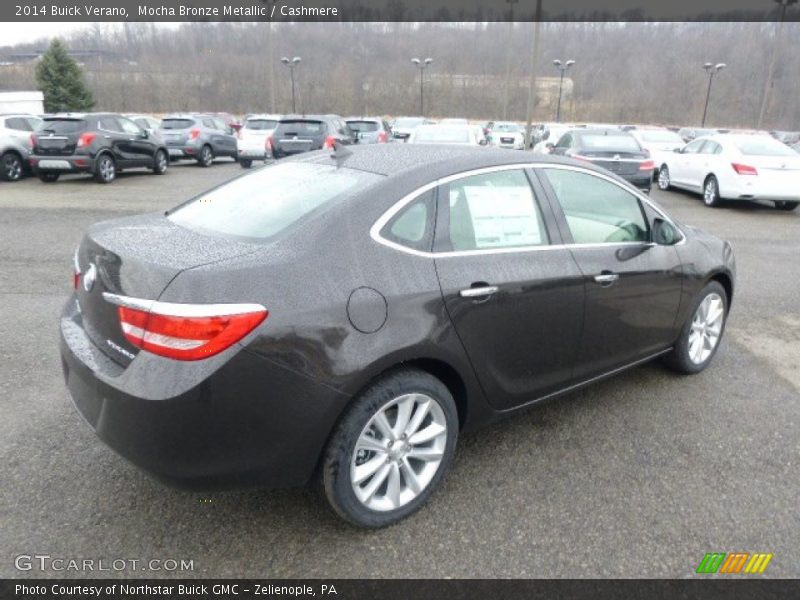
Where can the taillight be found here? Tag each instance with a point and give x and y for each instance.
(268, 144)
(194, 133)
(329, 141)
(647, 165)
(186, 331)
(33, 140)
(86, 139)
(383, 137)
(76, 270)
(744, 169)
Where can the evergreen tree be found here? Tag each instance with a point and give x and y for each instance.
(62, 81)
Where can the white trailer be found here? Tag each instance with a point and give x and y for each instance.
(22, 102)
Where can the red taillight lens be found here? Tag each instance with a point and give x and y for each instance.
(186, 332)
(76, 271)
(383, 137)
(329, 141)
(33, 141)
(268, 144)
(86, 139)
(647, 165)
(744, 169)
(194, 133)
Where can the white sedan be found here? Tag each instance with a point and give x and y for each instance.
(735, 167)
(466, 135)
(508, 135)
(659, 143)
(252, 139)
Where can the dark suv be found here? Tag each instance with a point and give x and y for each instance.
(101, 144)
(296, 134)
(198, 137)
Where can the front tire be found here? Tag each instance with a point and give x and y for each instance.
(702, 332)
(160, 162)
(105, 169)
(245, 163)
(391, 449)
(711, 192)
(663, 178)
(786, 205)
(11, 167)
(206, 157)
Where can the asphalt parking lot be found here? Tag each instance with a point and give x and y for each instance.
(638, 476)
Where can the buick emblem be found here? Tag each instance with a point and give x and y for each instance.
(89, 277)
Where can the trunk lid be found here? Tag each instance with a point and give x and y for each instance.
(137, 257)
(622, 163)
(58, 137)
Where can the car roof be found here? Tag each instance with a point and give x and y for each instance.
(264, 116)
(430, 161)
(374, 119)
(309, 117)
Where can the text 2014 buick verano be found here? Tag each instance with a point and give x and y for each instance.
(347, 316)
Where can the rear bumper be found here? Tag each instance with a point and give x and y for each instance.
(642, 180)
(758, 190)
(250, 422)
(61, 164)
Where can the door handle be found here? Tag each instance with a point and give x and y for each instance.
(477, 292)
(606, 278)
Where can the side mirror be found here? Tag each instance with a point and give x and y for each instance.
(144, 134)
(664, 234)
(678, 150)
(550, 146)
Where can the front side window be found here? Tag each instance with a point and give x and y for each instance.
(129, 126)
(597, 210)
(694, 147)
(494, 210)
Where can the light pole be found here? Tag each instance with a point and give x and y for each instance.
(507, 84)
(773, 61)
(563, 68)
(421, 65)
(711, 70)
(292, 64)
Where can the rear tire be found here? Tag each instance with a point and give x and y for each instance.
(786, 205)
(245, 163)
(160, 162)
(49, 177)
(711, 192)
(701, 334)
(206, 156)
(105, 170)
(11, 167)
(378, 431)
(663, 178)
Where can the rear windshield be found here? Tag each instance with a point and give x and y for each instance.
(661, 136)
(176, 123)
(260, 124)
(442, 135)
(610, 142)
(408, 123)
(763, 146)
(302, 127)
(63, 126)
(363, 126)
(263, 204)
(506, 127)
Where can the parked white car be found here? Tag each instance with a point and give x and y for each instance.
(659, 143)
(15, 144)
(735, 167)
(551, 135)
(464, 135)
(252, 138)
(508, 135)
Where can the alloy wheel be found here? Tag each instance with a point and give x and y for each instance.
(161, 162)
(710, 192)
(398, 452)
(663, 178)
(706, 328)
(12, 167)
(107, 170)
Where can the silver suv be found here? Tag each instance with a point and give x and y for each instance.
(199, 137)
(15, 144)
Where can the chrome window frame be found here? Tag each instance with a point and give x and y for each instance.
(379, 224)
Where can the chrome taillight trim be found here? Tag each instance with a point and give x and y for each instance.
(175, 309)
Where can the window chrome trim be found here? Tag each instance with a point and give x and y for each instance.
(175, 309)
(376, 228)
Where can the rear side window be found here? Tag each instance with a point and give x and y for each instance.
(18, 124)
(263, 204)
(110, 124)
(494, 210)
(763, 146)
(176, 123)
(63, 126)
(413, 226)
(598, 211)
(302, 127)
(260, 124)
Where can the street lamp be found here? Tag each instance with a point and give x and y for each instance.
(711, 70)
(292, 64)
(421, 65)
(563, 68)
(784, 4)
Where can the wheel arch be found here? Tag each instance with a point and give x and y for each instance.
(726, 281)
